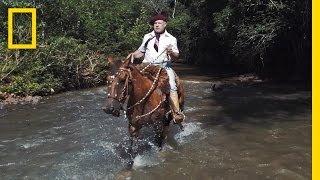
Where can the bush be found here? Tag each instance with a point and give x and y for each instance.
(62, 64)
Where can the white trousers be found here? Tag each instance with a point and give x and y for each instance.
(172, 81)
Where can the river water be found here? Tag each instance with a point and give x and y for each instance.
(246, 131)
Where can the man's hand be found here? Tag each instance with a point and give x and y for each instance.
(169, 51)
(131, 56)
(174, 56)
(135, 55)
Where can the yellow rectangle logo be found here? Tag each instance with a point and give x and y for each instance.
(33, 44)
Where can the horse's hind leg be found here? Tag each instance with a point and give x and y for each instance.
(132, 149)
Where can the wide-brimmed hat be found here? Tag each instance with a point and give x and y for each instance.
(158, 17)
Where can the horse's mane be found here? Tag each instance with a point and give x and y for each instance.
(151, 72)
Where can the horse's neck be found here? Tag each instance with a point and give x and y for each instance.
(141, 81)
(142, 87)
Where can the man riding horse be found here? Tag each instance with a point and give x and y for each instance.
(160, 48)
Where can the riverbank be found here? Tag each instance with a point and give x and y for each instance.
(219, 77)
(7, 98)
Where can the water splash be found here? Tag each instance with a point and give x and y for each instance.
(8, 164)
(189, 129)
(38, 142)
(148, 159)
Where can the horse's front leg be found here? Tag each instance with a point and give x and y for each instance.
(134, 132)
(160, 133)
(133, 135)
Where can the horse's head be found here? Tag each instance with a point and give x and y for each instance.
(118, 78)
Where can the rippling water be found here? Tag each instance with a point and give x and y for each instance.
(245, 132)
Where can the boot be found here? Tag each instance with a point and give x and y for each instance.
(178, 116)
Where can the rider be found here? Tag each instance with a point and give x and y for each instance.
(160, 48)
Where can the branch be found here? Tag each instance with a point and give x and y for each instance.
(18, 63)
(174, 8)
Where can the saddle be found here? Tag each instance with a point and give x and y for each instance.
(151, 71)
(163, 81)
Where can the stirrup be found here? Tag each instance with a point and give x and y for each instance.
(179, 123)
(178, 113)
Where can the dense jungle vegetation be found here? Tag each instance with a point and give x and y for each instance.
(269, 37)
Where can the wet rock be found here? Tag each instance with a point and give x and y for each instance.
(217, 86)
(28, 99)
(36, 99)
(3, 95)
(7, 98)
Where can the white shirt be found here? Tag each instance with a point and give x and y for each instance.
(166, 40)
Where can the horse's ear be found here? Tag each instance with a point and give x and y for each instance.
(126, 62)
(110, 59)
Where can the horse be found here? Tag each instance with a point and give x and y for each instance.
(142, 92)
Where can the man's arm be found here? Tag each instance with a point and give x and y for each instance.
(173, 50)
(136, 54)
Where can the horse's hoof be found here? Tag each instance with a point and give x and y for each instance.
(106, 111)
(116, 113)
(129, 165)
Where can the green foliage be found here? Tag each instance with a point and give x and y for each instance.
(179, 27)
(71, 63)
(222, 22)
(75, 36)
(62, 64)
(258, 29)
(21, 75)
(259, 35)
(131, 36)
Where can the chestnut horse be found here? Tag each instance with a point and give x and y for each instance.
(143, 93)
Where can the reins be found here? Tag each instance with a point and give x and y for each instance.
(125, 93)
(149, 91)
(125, 88)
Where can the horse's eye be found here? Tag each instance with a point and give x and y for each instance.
(122, 77)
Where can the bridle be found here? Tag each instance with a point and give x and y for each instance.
(124, 95)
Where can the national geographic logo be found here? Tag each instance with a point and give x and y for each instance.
(11, 12)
